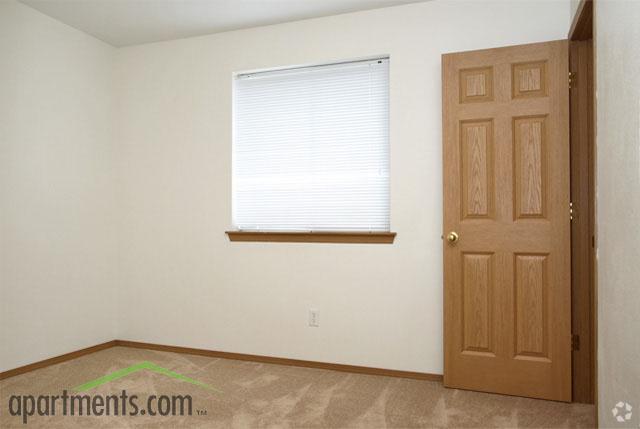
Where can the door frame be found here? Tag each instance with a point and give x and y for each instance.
(582, 120)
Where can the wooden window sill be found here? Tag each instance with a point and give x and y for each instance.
(313, 237)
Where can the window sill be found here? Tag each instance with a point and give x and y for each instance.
(313, 237)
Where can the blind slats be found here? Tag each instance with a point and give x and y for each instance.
(311, 148)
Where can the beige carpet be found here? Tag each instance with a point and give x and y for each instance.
(274, 396)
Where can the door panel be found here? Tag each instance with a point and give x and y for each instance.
(477, 164)
(506, 194)
(531, 307)
(477, 308)
(529, 169)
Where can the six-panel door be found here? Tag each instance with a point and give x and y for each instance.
(507, 311)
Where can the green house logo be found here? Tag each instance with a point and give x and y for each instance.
(138, 367)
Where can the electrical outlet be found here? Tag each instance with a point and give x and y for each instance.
(314, 318)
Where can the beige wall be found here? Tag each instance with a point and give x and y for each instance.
(185, 284)
(618, 207)
(57, 206)
(573, 8)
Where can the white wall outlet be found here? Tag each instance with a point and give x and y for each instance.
(314, 317)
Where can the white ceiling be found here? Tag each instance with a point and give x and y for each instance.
(130, 22)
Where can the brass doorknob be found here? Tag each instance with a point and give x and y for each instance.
(452, 237)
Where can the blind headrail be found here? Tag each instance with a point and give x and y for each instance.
(264, 73)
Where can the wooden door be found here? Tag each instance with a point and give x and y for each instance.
(507, 267)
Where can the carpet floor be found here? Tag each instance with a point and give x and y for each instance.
(237, 394)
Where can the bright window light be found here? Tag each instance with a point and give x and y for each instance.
(311, 148)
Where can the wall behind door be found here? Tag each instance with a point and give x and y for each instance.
(185, 284)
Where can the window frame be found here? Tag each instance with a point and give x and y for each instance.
(316, 236)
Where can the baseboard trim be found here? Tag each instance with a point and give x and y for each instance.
(57, 359)
(283, 361)
(225, 355)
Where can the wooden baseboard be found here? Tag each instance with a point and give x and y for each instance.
(283, 361)
(58, 359)
(224, 355)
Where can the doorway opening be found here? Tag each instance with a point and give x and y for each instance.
(582, 129)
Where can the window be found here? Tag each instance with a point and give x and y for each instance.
(311, 148)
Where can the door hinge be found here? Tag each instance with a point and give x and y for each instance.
(572, 211)
(573, 76)
(575, 342)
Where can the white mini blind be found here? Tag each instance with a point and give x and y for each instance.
(311, 148)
